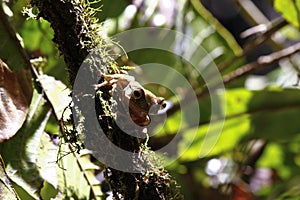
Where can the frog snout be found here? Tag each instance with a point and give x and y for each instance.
(158, 104)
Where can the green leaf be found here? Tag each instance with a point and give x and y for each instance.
(274, 113)
(73, 165)
(213, 33)
(46, 160)
(36, 32)
(57, 93)
(11, 50)
(89, 170)
(273, 157)
(48, 192)
(270, 114)
(47, 165)
(290, 10)
(216, 143)
(75, 178)
(7, 191)
(21, 152)
(37, 37)
(110, 8)
(291, 193)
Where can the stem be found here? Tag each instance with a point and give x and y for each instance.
(261, 62)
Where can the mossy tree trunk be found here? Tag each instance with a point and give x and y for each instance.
(71, 22)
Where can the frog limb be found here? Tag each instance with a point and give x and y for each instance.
(110, 79)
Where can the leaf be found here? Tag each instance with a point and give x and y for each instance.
(21, 152)
(6, 189)
(48, 191)
(47, 165)
(37, 37)
(290, 10)
(216, 142)
(274, 113)
(76, 177)
(89, 169)
(291, 193)
(11, 50)
(221, 36)
(15, 87)
(46, 160)
(15, 97)
(110, 8)
(74, 166)
(270, 114)
(273, 158)
(57, 93)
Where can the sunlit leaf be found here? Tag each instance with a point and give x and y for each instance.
(255, 114)
(273, 157)
(89, 169)
(72, 165)
(46, 160)
(57, 93)
(78, 184)
(216, 143)
(7, 191)
(46, 163)
(290, 10)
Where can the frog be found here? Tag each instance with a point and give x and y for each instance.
(140, 102)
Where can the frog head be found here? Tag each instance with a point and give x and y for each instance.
(143, 103)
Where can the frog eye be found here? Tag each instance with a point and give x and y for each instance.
(163, 105)
(137, 94)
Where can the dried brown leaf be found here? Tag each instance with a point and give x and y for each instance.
(15, 97)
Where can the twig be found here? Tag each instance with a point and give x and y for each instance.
(259, 39)
(262, 36)
(261, 62)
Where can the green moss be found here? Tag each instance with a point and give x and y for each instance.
(76, 33)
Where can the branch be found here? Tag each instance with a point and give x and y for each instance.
(262, 33)
(261, 62)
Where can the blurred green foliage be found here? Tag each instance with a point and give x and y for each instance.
(267, 116)
(290, 10)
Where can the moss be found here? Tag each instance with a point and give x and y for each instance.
(76, 33)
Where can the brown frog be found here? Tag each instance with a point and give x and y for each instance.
(140, 101)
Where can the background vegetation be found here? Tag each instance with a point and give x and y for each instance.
(255, 45)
